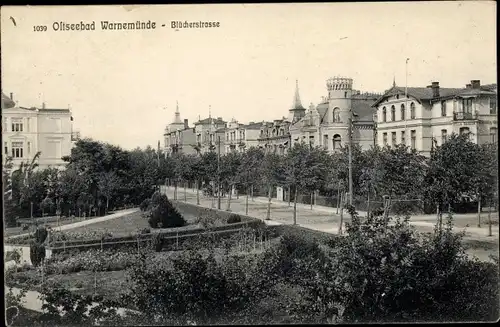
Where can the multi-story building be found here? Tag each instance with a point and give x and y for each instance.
(327, 124)
(26, 131)
(423, 117)
(275, 136)
(179, 137)
(240, 137)
(207, 133)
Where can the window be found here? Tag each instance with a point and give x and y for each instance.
(494, 134)
(384, 114)
(443, 108)
(345, 94)
(403, 138)
(413, 140)
(393, 113)
(325, 141)
(393, 138)
(412, 110)
(227, 137)
(311, 141)
(6, 148)
(444, 136)
(465, 130)
(336, 115)
(493, 106)
(467, 105)
(336, 142)
(397, 96)
(17, 124)
(17, 149)
(384, 139)
(403, 117)
(29, 148)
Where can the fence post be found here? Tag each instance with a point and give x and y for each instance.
(101, 245)
(64, 246)
(177, 241)
(138, 251)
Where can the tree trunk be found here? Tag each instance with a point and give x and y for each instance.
(185, 195)
(490, 232)
(246, 203)
(341, 212)
(269, 194)
(229, 197)
(175, 190)
(107, 205)
(252, 192)
(289, 196)
(338, 198)
(479, 211)
(198, 192)
(368, 204)
(295, 206)
(311, 200)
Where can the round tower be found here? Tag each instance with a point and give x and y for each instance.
(340, 96)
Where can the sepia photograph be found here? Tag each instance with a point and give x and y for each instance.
(249, 164)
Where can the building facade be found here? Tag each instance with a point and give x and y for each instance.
(26, 131)
(179, 137)
(327, 124)
(208, 131)
(241, 137)
(275, 136)
(424, 117)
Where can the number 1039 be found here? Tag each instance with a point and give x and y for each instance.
(40, 28)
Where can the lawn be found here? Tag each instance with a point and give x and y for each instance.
(126, 225)
(11, 231)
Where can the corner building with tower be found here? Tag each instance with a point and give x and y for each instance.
(327, 124)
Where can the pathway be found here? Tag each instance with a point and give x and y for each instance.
(326, 219)
(32, 301)
(115, 215)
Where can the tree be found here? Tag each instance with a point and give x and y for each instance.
(108, 184)
(250, 169)
(305, 169)
(452, 173)
(272, 176)
(229, 171)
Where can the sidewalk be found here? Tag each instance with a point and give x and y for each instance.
(32, 301)
(83, 223)
(320, 217)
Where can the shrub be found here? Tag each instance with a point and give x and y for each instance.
(234, 218)
(145, 204)
(37, 253)
(158, 242)
(13, 255)
(162, 211)
(145, 231)
(41, 234)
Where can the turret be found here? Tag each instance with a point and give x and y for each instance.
(297, 111)
(339, 97)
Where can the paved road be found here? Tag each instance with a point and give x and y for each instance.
(322, 218)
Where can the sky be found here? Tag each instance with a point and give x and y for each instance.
(122, 86)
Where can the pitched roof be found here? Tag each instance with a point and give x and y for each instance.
(52, 110)
(362, 109)
(7, 102)
(253, 126)
(426, 93)
(208, 120)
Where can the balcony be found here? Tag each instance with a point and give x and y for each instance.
(464, 116)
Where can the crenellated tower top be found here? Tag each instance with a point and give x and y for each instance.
(339, 84)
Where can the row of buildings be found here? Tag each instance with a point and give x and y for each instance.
(26, 131)
(419, 117)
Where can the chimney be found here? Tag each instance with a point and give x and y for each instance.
(186, 125)
(12, 96)
(476, 84)
(468, 86)
(43, 105)
(435, 89)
